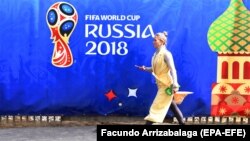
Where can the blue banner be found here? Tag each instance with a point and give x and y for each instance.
(77, 57)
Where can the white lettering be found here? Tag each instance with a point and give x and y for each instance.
(92, 32)
(103, 131)
(118, 31)
(92, 17)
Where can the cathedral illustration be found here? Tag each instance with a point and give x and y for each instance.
(229, 36)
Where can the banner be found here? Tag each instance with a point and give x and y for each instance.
(78, 57)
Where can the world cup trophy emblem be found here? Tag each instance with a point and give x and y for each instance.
(61, 18)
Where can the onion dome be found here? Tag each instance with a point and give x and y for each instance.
(230, 32)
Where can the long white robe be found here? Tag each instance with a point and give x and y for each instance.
(162, 63)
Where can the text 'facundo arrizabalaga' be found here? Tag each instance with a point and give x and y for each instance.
(147, 132)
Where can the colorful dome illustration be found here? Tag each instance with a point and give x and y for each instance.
(230, 33)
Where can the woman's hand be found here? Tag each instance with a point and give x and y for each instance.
(176, 88)
(143, 68)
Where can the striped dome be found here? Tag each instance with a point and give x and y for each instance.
(231, 31)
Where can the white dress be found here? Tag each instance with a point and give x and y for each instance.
(164, 71)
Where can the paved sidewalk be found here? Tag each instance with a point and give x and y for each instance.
(82, 133)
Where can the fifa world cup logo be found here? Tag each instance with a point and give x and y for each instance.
(61, 19)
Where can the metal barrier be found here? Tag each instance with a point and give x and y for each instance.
(23, 120)
(59, 120)
(215, 120)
